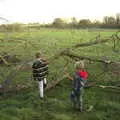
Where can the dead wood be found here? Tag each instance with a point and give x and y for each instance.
(78, 57)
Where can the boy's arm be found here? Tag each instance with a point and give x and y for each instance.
(26, 68)
(82, 83)
(44, 60)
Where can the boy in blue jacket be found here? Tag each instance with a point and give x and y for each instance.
(78, 81)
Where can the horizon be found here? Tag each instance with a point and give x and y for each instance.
(39, 11)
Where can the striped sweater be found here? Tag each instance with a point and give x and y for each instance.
(40, 69)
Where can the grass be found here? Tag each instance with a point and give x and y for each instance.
(26, 105)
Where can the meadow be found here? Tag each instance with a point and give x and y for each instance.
(26, 105)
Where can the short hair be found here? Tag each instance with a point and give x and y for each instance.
(79, 65)
(38, 54)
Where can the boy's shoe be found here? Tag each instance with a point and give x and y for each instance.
(45, 85)
(79, 109)
(41, 98)
(90, 108)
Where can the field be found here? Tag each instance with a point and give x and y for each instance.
(26, 105)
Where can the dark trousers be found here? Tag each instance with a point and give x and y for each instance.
(77, 99)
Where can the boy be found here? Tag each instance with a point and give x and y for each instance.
(78, 81)
(40, 71)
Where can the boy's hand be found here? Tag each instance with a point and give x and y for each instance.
(82, 83)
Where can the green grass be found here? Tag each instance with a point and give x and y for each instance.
(26, 105)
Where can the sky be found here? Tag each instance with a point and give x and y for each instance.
(45, 11)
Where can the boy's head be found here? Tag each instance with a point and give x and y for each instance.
(38, 55)
(79, 65)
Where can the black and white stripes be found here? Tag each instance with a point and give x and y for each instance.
(40, 69)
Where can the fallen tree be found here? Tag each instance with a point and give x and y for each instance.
(7, 59)
(95, 41)
(68, 52)
(74, 56)
(99, 40)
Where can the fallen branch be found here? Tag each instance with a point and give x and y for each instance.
(86, 44)
(4, 60)
(98, 40)
(93, 84)
(77, 57)
(94, 42)
(53, 83)
(60, 78)
(103, 86)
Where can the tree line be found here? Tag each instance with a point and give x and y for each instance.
(107, 22)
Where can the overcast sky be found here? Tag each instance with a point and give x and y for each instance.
(46, 10)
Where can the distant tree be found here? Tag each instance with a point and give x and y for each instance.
(59, 23)
(109, 20)
(13, 27)
(2, 28)
(118, 18)
(73, 22)
(96, 23)
(84, 23)
(105, 20)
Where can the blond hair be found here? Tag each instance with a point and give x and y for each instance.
(79, 65)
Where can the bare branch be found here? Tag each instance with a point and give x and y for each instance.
(77, 57)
